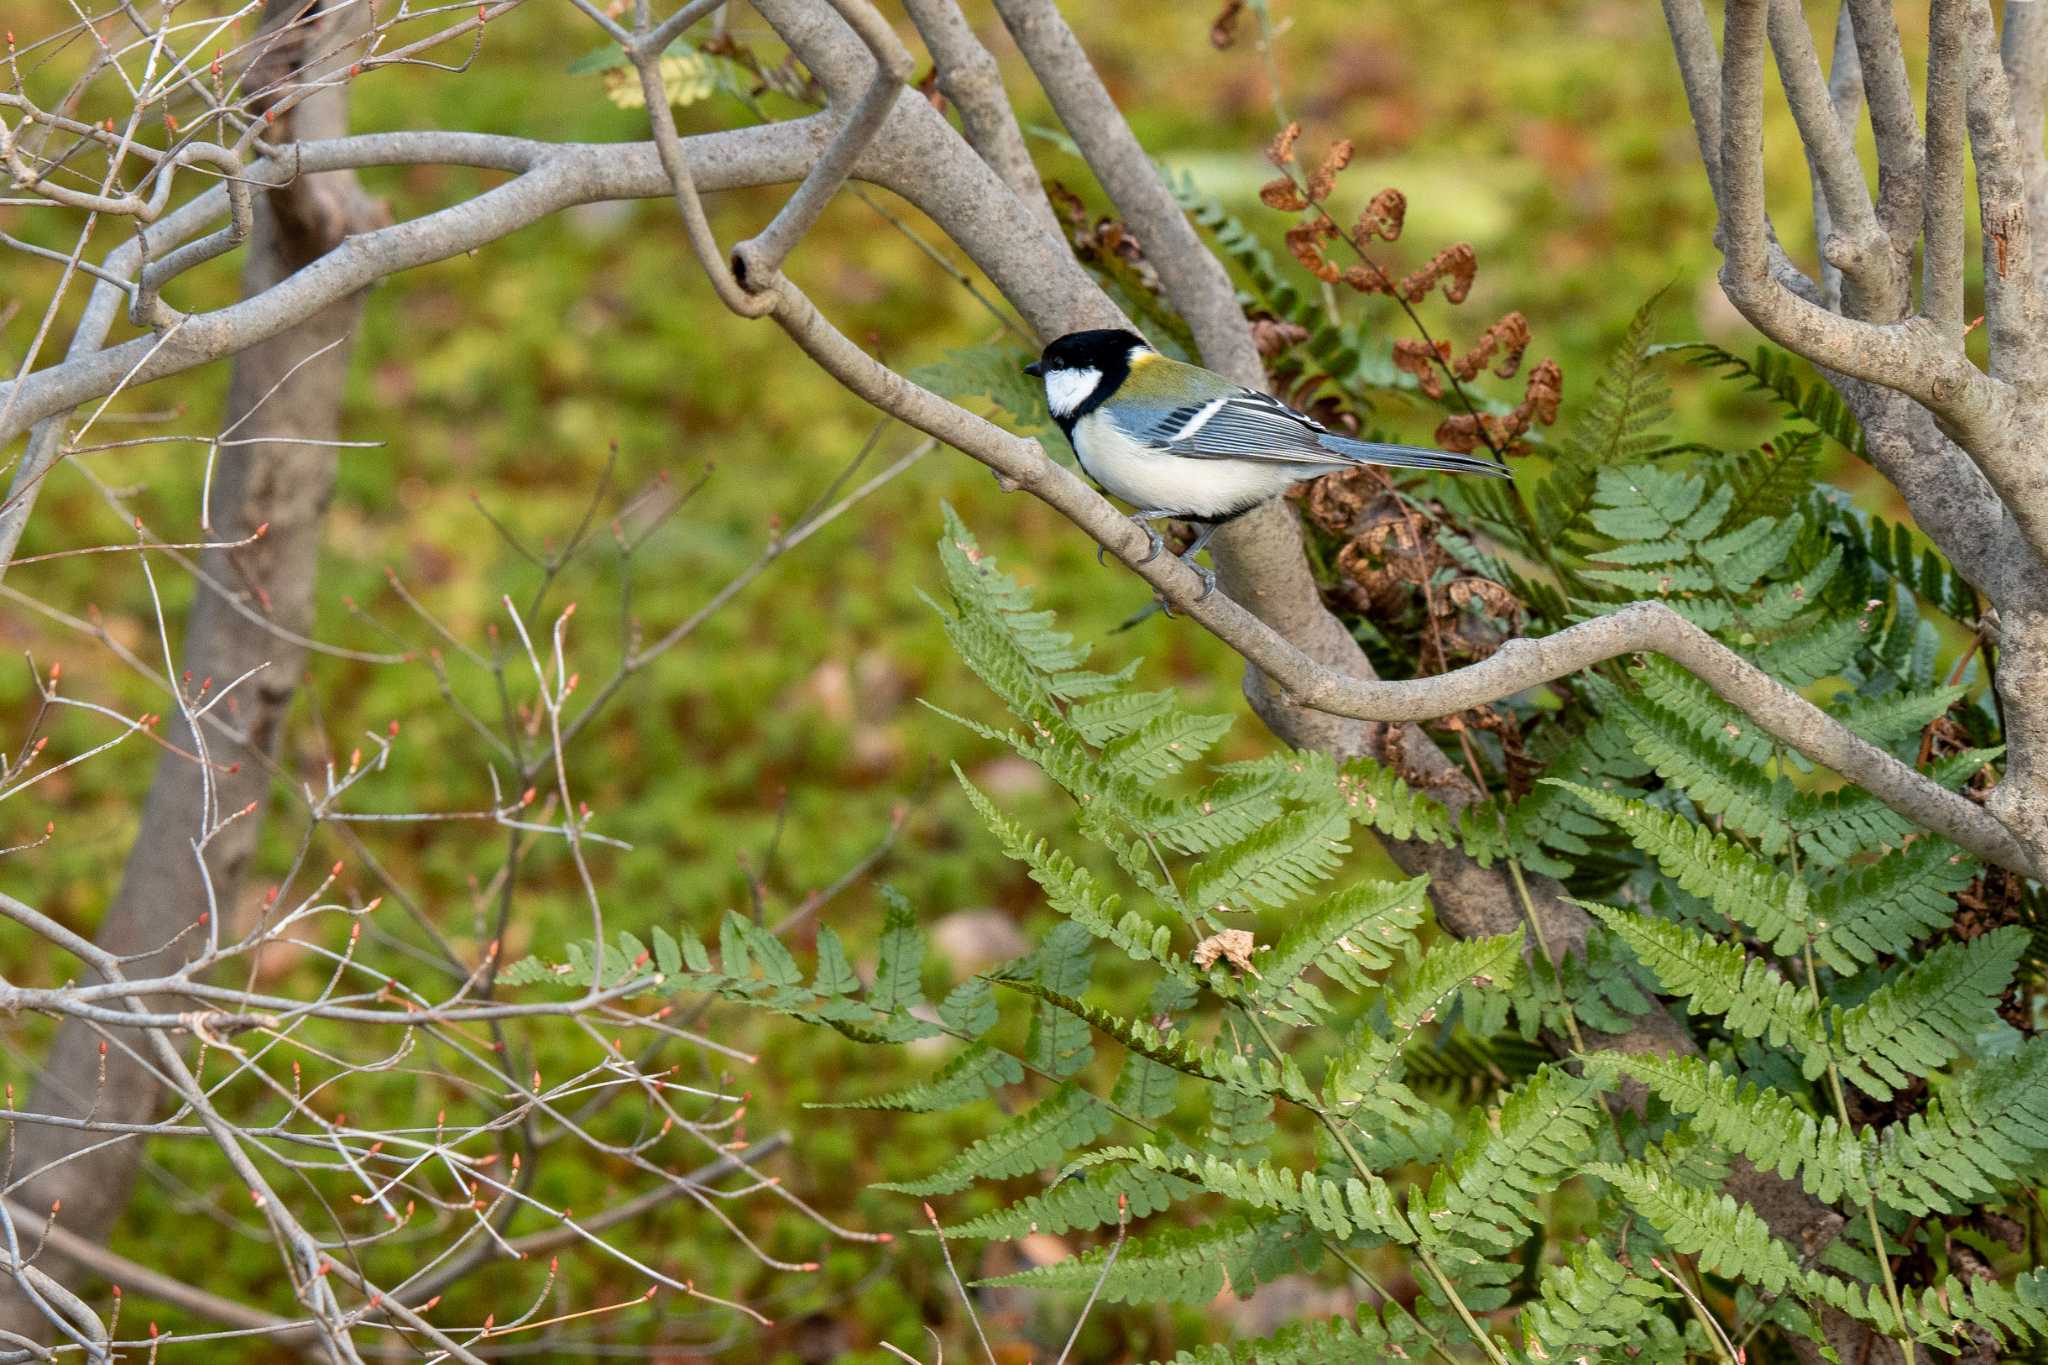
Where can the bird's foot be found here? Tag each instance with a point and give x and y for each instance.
(1156, 547)
(1203, 572)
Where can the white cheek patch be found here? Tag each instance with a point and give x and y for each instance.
(1066, 390)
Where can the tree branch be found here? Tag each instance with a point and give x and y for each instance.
(969, 77)
(2012, 303)
(2024, 50)
(1900, 155)
(1948, 64)
(1195, 281)
(1851, 240)
(1906, 355)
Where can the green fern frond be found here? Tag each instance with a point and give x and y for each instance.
(1769, 1127)
(1985, 1132)
(1775, 478)
(976, 1072)
(1457, 1061)
(1720, 978)
(1071, 890)
(1380, 799)
(1275, 866)
(1312, 1342)
(1716, 780)
(1162, 746)
(1784, 601)
(2011, 1314)
(1775, 373)
(1882, 908)
(1927, 1015)
(1355, 931)
(1228, 810)
(1389, 1124)
(1736, 882)
(996, 372)
(1892, 548)
(1727, 1237)
(1038, 1139)
(1890, 717)
(1450, 968)
(1178, 1265)
(1240, 1121)
(1103, 719)
(1340, 1208)
(1838, 826)
(1622, 424)
(1222, 1065)
(1590, 1306)
(1081, 1202)
(1487, 1194)
(1058, 1044)
(1807, 656)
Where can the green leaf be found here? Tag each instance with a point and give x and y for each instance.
(1736, 882)
(1036, 1140)
(1081, 1202)
(1176, 1265)
(1487, 1194)
(994, 371)
(1983, 1134)
(1276, 865)
(1058, 1044)
(899, 972)
(1720, 978)
(975, 1073)
(1340, 1207)
(835, 974)
(1769, 1127)
(1350, 933)
(1929, 1013)
(969, 1007)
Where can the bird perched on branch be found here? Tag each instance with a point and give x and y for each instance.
(1176, 440)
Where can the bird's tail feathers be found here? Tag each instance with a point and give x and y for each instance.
(1411, 457)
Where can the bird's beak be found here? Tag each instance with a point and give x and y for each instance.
(1035, 369)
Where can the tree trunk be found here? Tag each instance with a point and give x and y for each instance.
(290, 387)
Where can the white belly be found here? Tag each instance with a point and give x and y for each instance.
(1152, 480)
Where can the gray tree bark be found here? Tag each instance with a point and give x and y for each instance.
(289, 387)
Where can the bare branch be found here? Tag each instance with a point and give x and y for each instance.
(1948, 63)
(2024, 50)
(1906, 355)
(969, 77)
(1900, 154)
(2012, 303)
(1194, 279)
(763, 256)
(1851, 241)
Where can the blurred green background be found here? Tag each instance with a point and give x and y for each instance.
(1551, 134)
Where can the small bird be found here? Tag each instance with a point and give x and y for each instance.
(1176, 440)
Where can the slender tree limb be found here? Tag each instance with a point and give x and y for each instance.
(763, 254)
(1900, 153)
(1948, 76)
(969, 77)
(1195, 281)
(185, 859)
(1845, 93)
(2012, 303)
(1905, 355)
(1699, 69)
(1852, 243)
(1517, 666)
(2024, 50)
